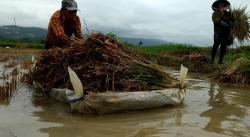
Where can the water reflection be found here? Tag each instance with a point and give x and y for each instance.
(225, 113)
(222, 110)
(17, 117)
(178, 116)
(16, 108)
(8, 78)
(138, 124)
(4, 102)
(12, 73)
(208, 110)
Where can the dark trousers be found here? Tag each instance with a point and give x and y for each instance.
(223, 47)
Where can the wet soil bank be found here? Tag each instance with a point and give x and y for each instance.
(236, 71)
(10, 53)
(199, 65)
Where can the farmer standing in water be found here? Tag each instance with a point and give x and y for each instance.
(222, 28)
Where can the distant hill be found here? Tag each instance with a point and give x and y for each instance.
(31, 33)
(144, 41)
(11, 32)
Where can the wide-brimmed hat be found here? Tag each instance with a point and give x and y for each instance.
(69, 5)
(218, 2)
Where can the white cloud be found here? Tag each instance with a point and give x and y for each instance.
(184, 21)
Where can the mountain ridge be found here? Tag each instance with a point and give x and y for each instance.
(18, 32)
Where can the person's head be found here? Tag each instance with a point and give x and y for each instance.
(69, 9)
(221, 5)
(224, 7)
(227, 8)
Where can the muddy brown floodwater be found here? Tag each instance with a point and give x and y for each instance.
(209, 110)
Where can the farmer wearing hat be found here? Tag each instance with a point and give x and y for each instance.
(222, 28)
(63, 25)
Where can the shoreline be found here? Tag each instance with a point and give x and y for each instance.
(236, 69)
(197, 59)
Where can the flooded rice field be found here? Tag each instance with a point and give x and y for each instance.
(210, 109)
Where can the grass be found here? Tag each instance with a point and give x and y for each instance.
(241, 52)
(13, 44)
(168, 48)
(174, 49)
(152, 50)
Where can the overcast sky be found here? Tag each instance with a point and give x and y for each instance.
(183, 21)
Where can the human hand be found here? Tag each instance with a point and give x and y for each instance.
(78, 41)
(226, 9)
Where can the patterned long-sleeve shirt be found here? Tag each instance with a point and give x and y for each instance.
(60, 31)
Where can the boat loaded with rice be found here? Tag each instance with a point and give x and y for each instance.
(104, 76)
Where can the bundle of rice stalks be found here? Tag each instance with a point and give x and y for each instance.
(241, 27)
(102, 64)
(238, 72)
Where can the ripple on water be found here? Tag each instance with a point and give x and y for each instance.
(210, 109)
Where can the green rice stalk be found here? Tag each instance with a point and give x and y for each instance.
(241, 26)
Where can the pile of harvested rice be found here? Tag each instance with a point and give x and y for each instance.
(102, 64)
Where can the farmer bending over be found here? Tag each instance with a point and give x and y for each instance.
(63, 24)
(222, 28)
